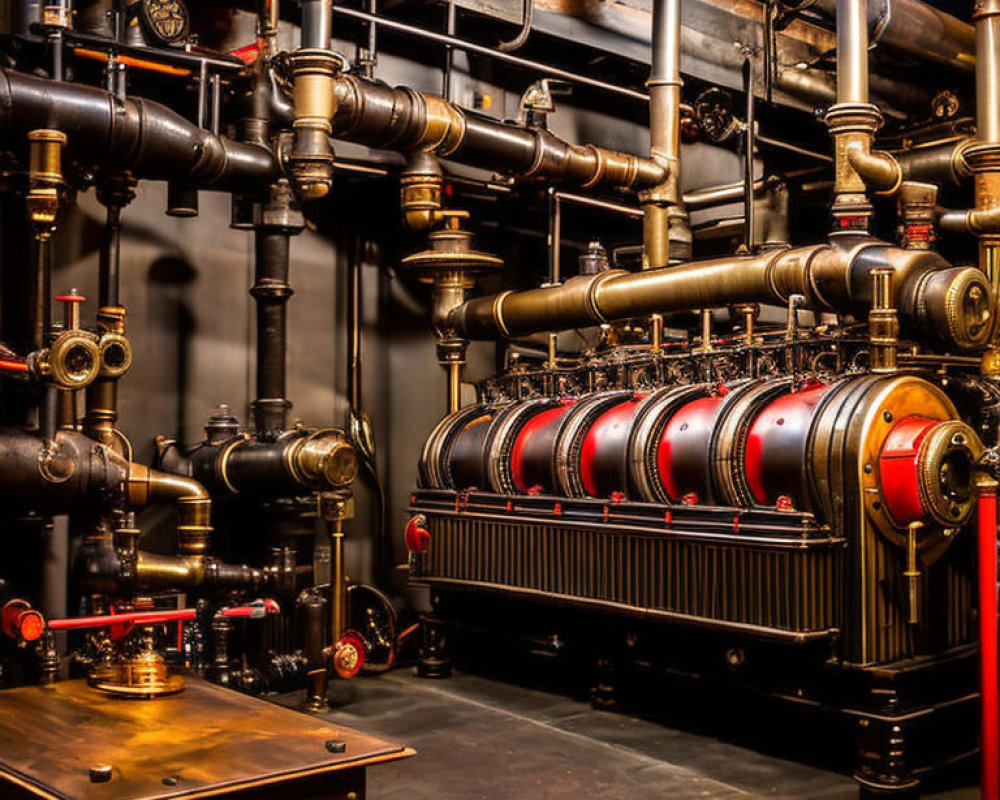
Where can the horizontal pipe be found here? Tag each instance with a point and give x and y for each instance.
(478, 49)
(69, 473)
(140, 136)
(828, 277)
(252, 611)
(379, 115)
(916, 29)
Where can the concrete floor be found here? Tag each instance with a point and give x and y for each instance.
(496, 740)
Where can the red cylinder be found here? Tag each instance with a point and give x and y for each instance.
(603, 454)
(683, 458)
(531, 457)
(775, 447)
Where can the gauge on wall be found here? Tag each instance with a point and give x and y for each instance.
(165, 22)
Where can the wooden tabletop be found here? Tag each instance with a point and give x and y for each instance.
(194, 744)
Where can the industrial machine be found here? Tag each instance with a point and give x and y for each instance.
(714, 287)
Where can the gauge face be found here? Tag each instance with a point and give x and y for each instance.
(165, 21)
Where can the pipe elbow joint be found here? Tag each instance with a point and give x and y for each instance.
(194, 504)
(878, 169)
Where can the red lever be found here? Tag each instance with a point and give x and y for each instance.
(416, 536)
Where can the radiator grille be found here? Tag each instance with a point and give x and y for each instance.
(793, 589)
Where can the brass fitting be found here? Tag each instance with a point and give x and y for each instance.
(45, 178)
(324, 460)
(194, 505)
(984, 159)
(883, 322)
(311, 160)
(116, 349)
(420, 192)
(858, 168)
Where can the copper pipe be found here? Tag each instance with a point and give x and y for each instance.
(829, 277)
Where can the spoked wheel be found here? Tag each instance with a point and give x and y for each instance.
(371, 614)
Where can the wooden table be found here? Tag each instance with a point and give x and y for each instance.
(206, 742)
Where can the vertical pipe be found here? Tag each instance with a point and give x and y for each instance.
(354, 324)
(449, 53)
(664, 129)
(989, 663)
(852, 51)
(271, 292)
(749, 140)
(984, 158)
(110, 258)
(317, 24)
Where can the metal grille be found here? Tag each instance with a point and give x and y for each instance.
(794, 589)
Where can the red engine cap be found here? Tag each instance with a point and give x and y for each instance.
(531, 455)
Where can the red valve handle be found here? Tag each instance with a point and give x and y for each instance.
(416, 536)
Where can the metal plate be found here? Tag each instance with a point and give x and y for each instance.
(208, 740)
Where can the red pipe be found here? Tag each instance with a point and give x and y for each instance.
(251, 611)
(989, 786)
(13, 365)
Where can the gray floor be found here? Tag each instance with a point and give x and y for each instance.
(482, 738)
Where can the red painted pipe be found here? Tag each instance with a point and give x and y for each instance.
(253, 611)
(989, 786)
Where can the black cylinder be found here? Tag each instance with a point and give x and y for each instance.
(271, 291)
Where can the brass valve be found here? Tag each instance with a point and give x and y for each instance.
(883, 322)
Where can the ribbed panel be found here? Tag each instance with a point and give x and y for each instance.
(788, 589)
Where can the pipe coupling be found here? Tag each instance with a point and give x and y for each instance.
(315, 100)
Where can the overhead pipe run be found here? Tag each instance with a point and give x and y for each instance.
(143, 137)
(405, 119)
(829, 278)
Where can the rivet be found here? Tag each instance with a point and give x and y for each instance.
(100, 774)
(336, 745)
(171, 780)
(887, 416)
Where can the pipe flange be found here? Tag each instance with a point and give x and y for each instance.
(947, 458)
(848, 117)
(982, 156)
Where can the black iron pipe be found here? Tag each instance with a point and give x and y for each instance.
(145, 138)
(70, 473)
(404, 119)
(271, 291)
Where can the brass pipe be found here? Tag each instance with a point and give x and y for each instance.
(194, 504)
(984, 158)
(664, 132)
(883, 322)
(912, 574)
(933, 297)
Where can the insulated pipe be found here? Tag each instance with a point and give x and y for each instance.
(140, 136)
(404, 119)
(914, 28)
(989, 659)
(664, 131)
(929, 295)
